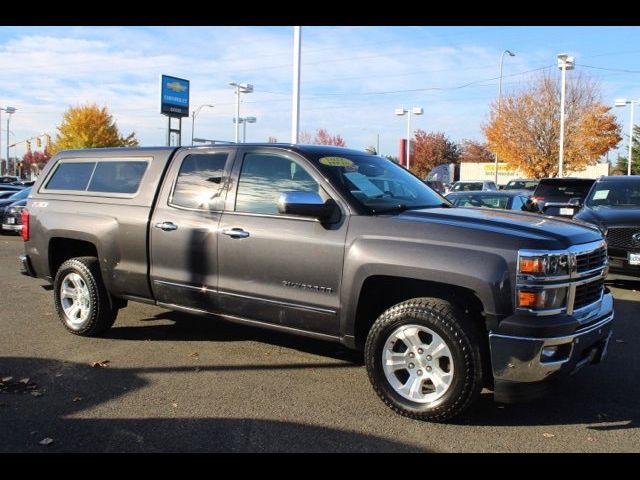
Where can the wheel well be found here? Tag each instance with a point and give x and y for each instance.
(381, 292)
(62, 249)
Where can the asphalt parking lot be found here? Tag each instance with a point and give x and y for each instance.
(173, 382)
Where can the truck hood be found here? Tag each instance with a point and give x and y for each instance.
(559, 232)
(606, 216)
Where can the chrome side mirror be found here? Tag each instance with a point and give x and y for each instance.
(308, 204)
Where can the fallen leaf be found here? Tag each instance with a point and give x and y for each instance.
(174, 405)
(7, 379)
(35, 393)
(46, 441)
(591, 439)
(77, 399)
(24, 380)
(194, 354)
(548, 435)
(100, 364)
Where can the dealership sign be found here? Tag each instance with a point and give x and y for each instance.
(174, 96)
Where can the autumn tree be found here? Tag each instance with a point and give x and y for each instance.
(304, 137)
(323, 137)
(432, 149)
(623, 162)
(35, 161)
(473, 151)
(90, 126)
(526, 131)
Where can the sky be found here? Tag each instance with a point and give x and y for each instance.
(352, 78)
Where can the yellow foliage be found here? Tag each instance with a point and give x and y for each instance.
(89, 126)
(525, 131)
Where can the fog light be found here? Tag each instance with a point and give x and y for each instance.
(549, 352)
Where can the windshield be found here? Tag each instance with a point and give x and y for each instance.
(564, 190)
(377, 183)
(24, 193)
(488, 201)
(615, 194)
(466, 187)
(521, 185)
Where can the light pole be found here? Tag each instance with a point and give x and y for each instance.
(565, 62)
(193, 118)
(244, 121)
(511, 54)
(9, 111)
(402, 111)
(621, 102)
(295, 106)
(240, 88)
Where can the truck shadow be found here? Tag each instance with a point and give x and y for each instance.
(70, 388)
(186, 327)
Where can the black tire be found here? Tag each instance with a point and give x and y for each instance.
(462, 337)
(101, 315)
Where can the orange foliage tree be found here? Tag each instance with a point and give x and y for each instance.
(323, 137)
(432, 149)
(525, 133)
(473, 151)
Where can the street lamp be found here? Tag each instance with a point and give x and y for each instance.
(621, 102)
(240, 88)
(511, 54)
(9, 111)
(244, 121)
(565, 62)
(402, 111)
(193, 118)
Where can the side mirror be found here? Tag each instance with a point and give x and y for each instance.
(576, 202)
(308, 204)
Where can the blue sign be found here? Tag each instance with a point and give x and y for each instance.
(174, 96)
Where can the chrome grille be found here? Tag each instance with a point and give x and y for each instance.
(591, 260)
(588, 293)
(622, 237)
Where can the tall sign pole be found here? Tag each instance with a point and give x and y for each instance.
(174, 103)
(295, 107)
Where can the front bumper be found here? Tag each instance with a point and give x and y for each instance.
(525, 366)
(621, 265)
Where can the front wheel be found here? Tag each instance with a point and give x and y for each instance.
(423, 359)
(81, 299)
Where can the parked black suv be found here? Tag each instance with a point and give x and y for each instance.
(561, 196)
(613, 204)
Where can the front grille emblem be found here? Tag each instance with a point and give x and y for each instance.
(636, 236)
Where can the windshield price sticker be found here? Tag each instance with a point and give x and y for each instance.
(600, 194)
(336, 161)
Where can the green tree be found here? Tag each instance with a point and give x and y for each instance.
(623, 162)
(89, 126)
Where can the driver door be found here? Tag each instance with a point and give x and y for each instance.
(277, 268)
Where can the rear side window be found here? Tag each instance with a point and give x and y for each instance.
(121, 177)
(117, 177)
(199, 180)
(71, 176)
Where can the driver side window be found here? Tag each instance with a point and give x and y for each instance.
(264, 176)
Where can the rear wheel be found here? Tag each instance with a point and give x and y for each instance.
(423, 359)
(81, 299)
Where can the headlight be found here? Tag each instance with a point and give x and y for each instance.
(13, 210)
(548, 299)
(544, 265)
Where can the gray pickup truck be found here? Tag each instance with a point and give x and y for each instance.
(330, 243)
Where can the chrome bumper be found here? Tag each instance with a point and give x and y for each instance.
(527, 359)
(12, 228)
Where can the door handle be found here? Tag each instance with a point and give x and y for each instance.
(166, 226)
(235, 232)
